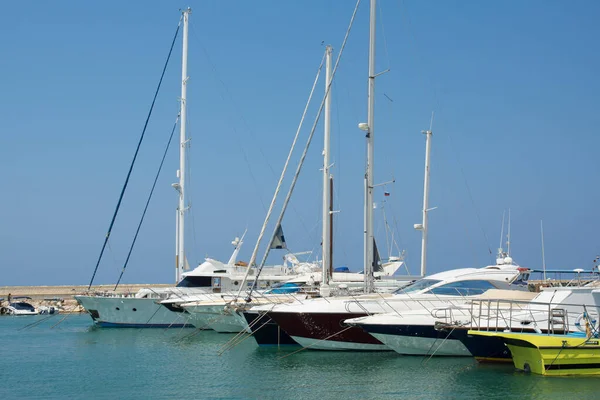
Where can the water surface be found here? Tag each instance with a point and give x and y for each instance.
(74, 360)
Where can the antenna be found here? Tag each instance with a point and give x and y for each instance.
(508, 235)
(500, 247)
(431, 122)
(543, 254)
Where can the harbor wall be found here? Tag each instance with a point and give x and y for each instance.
(40, 295)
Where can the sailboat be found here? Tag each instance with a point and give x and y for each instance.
(211, 277)
(141, 310)
(319, 323)
(328, 279)
(255, 320)
(223, 314)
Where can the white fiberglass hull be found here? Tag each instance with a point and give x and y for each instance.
(131, 312)
(223, 315)
(338, 345)
(423, 346)
(23, 312)
(228, 324)
(214, 317)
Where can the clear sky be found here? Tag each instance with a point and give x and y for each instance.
(514, 86)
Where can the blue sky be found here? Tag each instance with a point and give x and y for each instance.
(513, 85)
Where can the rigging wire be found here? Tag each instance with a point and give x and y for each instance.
(148, 201)
(281, 177)
(337, 183)
(387, 229)
(231, 98)
(240, 116)
(385, 46)
(112, 254)
(304, 152)
(398, 236)
(114, 217)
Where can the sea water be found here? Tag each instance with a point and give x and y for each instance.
(65, 357)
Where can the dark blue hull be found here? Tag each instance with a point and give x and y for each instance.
(483, 348)
(486, 348)
(425, 331)
(266, 332)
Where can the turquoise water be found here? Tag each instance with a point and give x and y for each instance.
(74, 360)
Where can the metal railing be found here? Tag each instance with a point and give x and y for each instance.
(520, 315)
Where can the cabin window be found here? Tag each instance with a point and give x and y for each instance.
(23, 306)
(417, 286)
(117, 308)
(236, 283)
(135, 309)
(195, 281)
(463, 288)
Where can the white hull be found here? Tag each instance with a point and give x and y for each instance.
(214, 317)
(23, 312)
(336, 345)
(239, 316)
(131, 312)
(422, 346)
(202, 320)
(228, 324)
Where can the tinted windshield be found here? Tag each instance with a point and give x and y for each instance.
(463, 288)
(195, 281)
(23, 306)
(417, 285)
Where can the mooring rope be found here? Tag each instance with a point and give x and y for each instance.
(316, 342)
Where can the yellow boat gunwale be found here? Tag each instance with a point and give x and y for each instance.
(545, 354)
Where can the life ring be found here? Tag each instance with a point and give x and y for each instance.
(592, 318)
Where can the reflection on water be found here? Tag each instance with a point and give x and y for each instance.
(75, 360)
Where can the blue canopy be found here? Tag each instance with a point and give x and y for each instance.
(288, 287)
(341, 269)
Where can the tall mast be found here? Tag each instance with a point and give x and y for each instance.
(183, 146)
(370, 129)
(326, 239)
(423, 226)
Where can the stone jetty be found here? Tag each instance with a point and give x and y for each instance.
(63, 295)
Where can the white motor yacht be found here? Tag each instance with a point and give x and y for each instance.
(415, 332)
(19, 306)
(210, 312)
(319, 323)
(212, 277)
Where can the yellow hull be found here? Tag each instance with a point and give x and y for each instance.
(551, 354)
